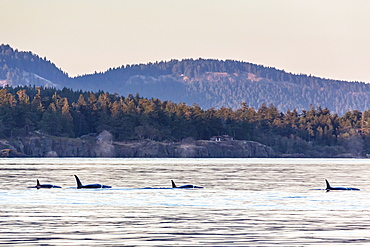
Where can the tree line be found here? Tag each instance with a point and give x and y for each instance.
(315, 132)
(14, 63)
(217, 83)
(207, 82)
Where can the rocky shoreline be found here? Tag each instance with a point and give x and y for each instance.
(103, 146)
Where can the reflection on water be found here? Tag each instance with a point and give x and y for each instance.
(244, 202)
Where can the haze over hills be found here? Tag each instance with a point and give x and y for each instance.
(206, 82)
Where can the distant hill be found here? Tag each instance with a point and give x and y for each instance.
(206, 82)
(26, 68)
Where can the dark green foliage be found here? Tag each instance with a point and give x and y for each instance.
(238, 96)
(67, 113)
(206, 82)
(215, 83)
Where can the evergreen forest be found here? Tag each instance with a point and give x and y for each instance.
(209, 83)
(314, 132)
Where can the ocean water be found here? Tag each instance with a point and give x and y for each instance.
(254, 202)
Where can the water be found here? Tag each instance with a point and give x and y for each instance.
(244, 202)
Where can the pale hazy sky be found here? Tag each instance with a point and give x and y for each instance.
(326, 38)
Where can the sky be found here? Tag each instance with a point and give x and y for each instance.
(325, 38)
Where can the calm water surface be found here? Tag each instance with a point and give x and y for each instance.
(244, 202)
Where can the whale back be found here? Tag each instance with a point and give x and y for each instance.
(328, 187)
(187, 186)
(90, 186)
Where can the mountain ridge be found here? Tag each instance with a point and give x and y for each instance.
(209, 83)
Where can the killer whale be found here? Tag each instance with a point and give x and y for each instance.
(187, 186)
(89, 186)
(329, 188)
(44, 186)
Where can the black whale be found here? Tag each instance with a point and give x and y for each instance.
(44, 186)
(328, 187)
(187, 186)
(90, 186)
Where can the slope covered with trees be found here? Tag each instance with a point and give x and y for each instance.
(26, 68)
(206, 82)
(315, 132)
(215, 83)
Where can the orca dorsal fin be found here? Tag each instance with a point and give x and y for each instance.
(173, 184)
(79, 184)
(37, 182)
(327, 185)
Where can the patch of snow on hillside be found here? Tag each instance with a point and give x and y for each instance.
(38, 80)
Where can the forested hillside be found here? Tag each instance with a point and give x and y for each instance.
(315, 132)
(25, 68)
(206, 82)
(214, 83)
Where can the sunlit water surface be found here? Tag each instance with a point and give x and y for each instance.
(244, 202)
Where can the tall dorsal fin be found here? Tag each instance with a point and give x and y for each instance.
(79, 184)
(327, 184)
(173, 184)
(37, 182)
